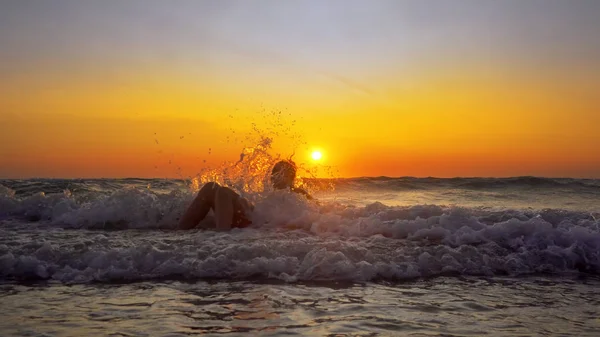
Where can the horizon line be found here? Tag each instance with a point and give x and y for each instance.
(331, 178)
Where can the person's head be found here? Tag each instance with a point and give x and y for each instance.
(283, 174)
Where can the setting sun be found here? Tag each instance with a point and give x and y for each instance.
(316, 155)
(290, 157)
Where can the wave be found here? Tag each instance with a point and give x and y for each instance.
(29, 187)
(123, 208)
(296, 241)
(411, 183)
(145, 208)
(535, 182)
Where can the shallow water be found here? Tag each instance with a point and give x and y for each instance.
(448, 306)
(377, 256)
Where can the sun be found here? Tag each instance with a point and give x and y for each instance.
(316, 155)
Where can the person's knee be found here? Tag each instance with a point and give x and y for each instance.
(209, 189)
(224, 193)
(210, 186)
(208, 193)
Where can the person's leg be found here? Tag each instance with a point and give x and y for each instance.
(224, 200)
(204, 201)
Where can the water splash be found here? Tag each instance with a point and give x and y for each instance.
(250, 174)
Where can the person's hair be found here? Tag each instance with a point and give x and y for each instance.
(283, 174)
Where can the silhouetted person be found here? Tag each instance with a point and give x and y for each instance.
(231, 210)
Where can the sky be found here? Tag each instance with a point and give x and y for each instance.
(145, 88)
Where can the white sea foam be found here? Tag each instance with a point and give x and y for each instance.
(293, 239)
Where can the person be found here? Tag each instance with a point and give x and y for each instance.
(231, 210)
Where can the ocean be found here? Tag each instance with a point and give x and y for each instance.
(373, 256)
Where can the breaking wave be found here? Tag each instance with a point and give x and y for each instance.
(104, 234)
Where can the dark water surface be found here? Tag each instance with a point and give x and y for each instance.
(448, 306)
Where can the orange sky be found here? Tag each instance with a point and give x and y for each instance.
(116, 109)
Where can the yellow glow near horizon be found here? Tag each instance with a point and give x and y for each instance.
(125, 97)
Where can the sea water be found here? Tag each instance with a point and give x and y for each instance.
(372, 256)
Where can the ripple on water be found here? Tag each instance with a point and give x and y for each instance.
(452, 306)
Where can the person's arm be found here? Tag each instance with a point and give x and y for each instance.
(303, 192)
